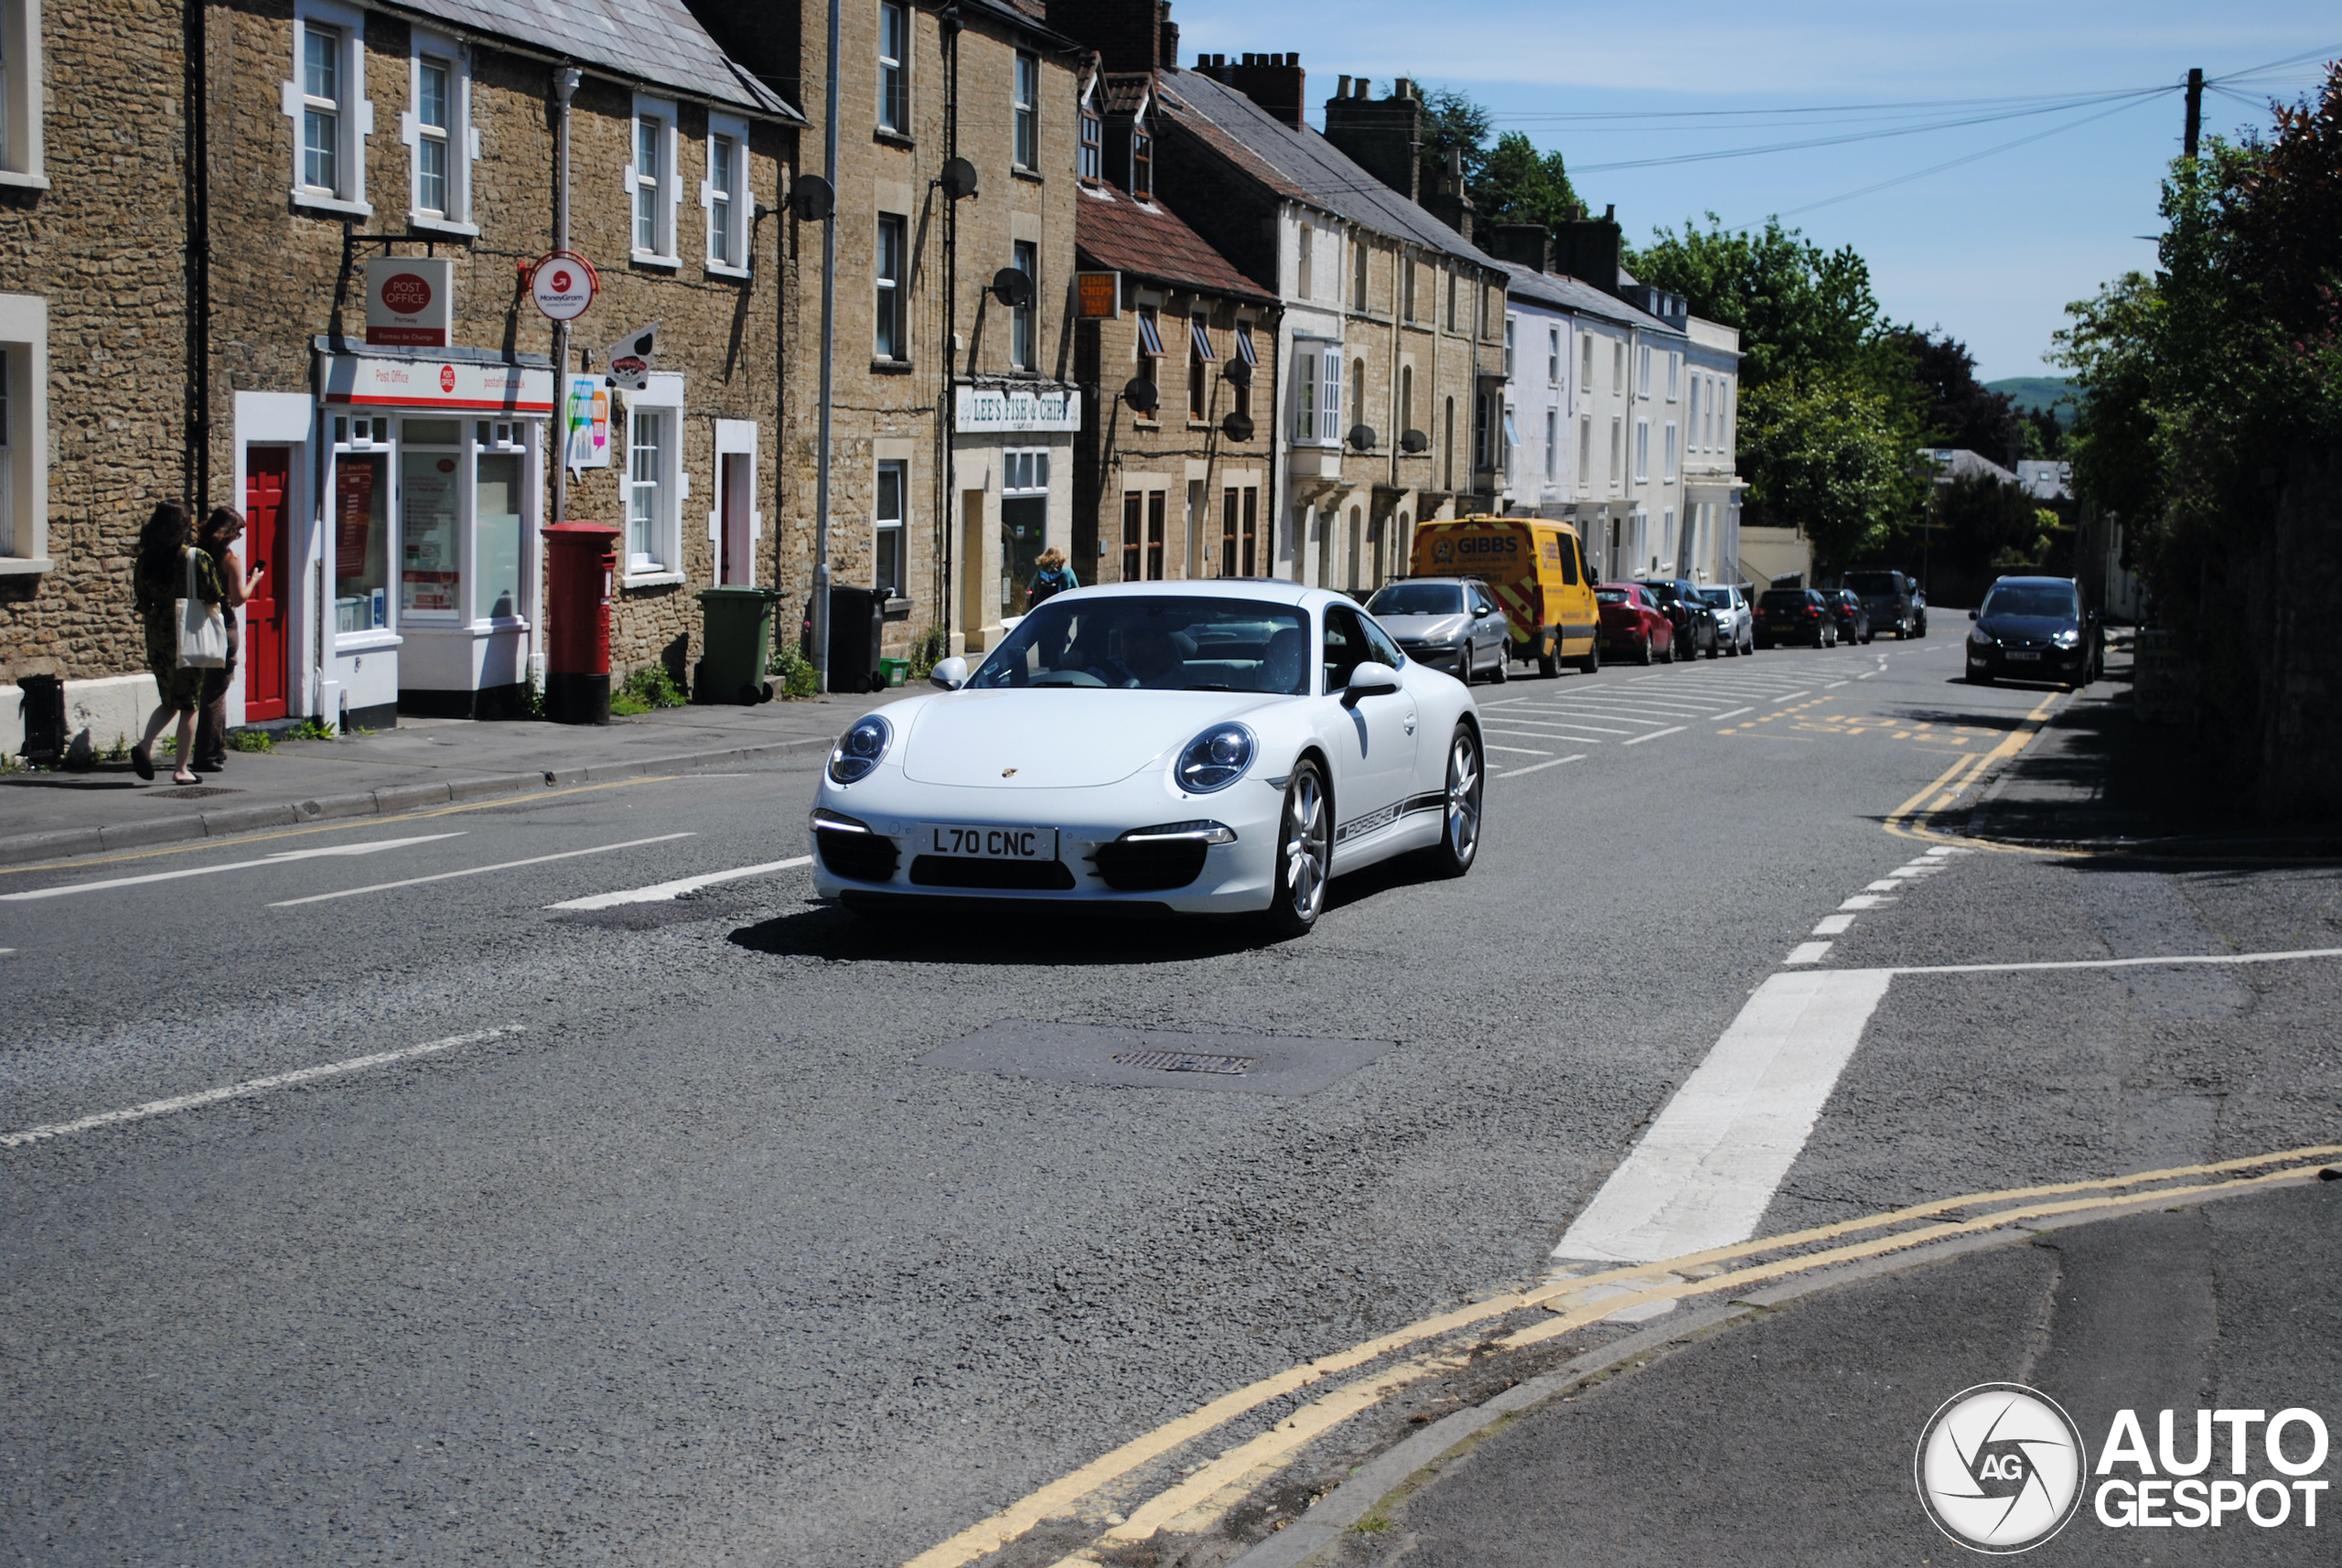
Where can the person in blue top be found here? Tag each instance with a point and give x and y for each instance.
(1053, 579)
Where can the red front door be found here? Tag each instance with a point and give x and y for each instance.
(267, 469)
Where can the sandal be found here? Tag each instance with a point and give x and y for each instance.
(190, 779)
(142, 760)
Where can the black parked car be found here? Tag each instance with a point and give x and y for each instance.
(1891, 600)
(1696, 636)
(1794, 615)
(1853, 621)
(2035, 628)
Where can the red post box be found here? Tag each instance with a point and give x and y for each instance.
(581, 560)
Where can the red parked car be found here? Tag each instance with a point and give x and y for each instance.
(1633, 623)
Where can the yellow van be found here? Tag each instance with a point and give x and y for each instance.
(1537, 570)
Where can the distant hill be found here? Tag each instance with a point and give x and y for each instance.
(2029, 392)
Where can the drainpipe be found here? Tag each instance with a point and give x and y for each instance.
(197, 49)
(564, 86)
(828, 355)
(947, 404)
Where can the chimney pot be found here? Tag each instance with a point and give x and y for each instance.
(1344, 90)
(1361, 91)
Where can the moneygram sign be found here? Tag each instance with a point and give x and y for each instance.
(2002, 1468)
(410, 301)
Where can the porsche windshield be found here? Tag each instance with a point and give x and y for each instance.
(1171, 643)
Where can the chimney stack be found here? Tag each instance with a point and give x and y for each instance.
(1275, 82)
(1383, 136)
(1447, 200)
(1587, 248)
(1527, 245)
(1130, 36)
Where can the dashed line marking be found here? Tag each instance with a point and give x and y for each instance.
(1655, 735)
(1541, 766)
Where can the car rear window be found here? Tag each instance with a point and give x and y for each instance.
(1783, 599)
(1612, 596)
(1418, 599)
(1873, 583)
(1663, 592)
(1720, 598)
(1158, 643)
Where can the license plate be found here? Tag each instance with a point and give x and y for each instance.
(2016, 658)
(972, 842)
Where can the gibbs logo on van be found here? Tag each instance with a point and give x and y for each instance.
(1477, 545)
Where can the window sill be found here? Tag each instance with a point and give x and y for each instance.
(25, 565)
(22, 181)
(366, 641)
(894, 606)
(651, 579)
(887, 138)
(727, 270)
(1029, 175)
(310, 200)
(441, 226)
(653, 259)
(891, 367)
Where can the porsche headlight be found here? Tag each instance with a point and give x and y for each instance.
(859, 749)
(1215, 760)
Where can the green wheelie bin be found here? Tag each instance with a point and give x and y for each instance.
(736, 642)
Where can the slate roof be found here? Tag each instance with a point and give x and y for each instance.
(1112, 231)
(1563, 292)
(1302, 164)
(655, 41)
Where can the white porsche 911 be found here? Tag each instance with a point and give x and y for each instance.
(1189, 747)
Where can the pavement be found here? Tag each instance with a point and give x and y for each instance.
(422, 763)
(547, 1177)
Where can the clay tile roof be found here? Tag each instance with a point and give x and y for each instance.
(1123, 94)
(1150, 241)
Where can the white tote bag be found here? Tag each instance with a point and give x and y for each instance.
(203, 630)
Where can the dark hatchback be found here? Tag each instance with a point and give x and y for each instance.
(2034, 628)
(1794, 615)
(1854, 621)
(1695, 624)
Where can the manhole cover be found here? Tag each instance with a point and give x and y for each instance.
(1158, 1059)
(1183, 1061)
(191, 792)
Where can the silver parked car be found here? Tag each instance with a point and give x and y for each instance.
(1453, 624)
(1736, 627)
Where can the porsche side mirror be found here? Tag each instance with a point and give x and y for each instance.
(949, 673)
(1369, 680)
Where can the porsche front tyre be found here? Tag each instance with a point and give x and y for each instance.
(1304, 853)
(1459, 837)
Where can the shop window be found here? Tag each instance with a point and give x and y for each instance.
(894, 69)
(429, 552)
(20, 94)
(653, 489)
(500, 491)
(438, 134)
(24, 434)
(361, 525)
(725, 195)
(653, 187)
(1029, 111)
(887, 524)
(1023, 320)
(325, 100)
(1023, 522)
(890, 343)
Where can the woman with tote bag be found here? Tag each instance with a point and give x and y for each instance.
(178, 595)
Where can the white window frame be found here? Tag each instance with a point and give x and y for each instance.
(1584, 453)
(1553, 356)
(1509, 324)
(354, 111)
(21, 82)
(1025, 320)
(1552, 441)
(1329, 395)
(899, 65)
(1674, 374)
(462, 136)
(1642, 378)
(898, 526)
(664, 395)
(889, 295)
(667, 186)
(1024, 100)
(730, 261)
(1642, 451)
(1668, 446)
(1304, 258)
(1617, 453)
(24, 435)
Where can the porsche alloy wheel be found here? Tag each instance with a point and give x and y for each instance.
(1459, 840)
(1304, 853)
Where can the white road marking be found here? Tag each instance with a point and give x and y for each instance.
(1884, 885)
(1523, 750)
(1834, 925)
(476, 870)
(1867, 675)
(1833, 685)
(1865, 901)
(250, 1087)
(1734, 714)
(1707, 1170)
(660, 891)
(282, 857)
(1791, 696)
(1808, 952)
(2120, 963)
(1562, 724)
(1541, 766)
(1538, 734)
(1655, 735)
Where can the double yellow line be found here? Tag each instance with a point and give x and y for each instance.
(1198, 1501)
(1909, 819)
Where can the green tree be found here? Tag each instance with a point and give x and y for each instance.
(1517, 184)
(1454, 122)
(1985, 522)
(1799, 308)
(1831, 456)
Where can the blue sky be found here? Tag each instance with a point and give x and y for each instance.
(1990, 250)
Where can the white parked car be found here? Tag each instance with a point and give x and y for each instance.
(1171, 747)
(1735, 625)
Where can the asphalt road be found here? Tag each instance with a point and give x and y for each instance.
(697, 1259)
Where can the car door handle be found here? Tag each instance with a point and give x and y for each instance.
(1411, 721)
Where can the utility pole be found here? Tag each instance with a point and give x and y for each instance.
(828, 355)
(2195, 110)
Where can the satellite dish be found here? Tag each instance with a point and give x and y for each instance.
(1415, 441)
(1362, 437)
(1236, 428)
(1239, 372)
(1141, 394)
(1013, 286)
(958, 179)
(812, 200)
